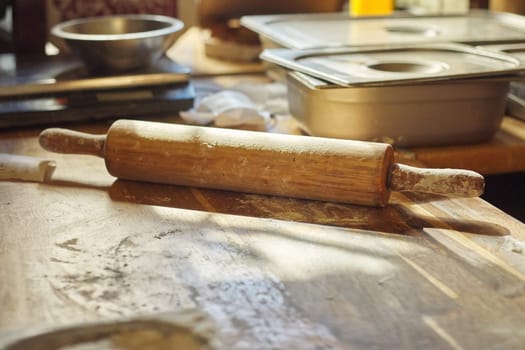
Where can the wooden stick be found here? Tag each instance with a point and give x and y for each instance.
(24, 168)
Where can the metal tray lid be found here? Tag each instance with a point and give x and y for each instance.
(395, 64)
(516, 50)
(308, 31)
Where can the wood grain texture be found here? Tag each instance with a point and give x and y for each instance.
(255, 162)
(244, 161)
(447, 182)
(72, 142)
(425, 272)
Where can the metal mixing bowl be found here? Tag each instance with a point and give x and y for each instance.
(119, 43)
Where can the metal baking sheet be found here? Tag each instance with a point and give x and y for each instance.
(148, 102)
(57, 74)
(57, 89)
(309, 31)
(395, 64)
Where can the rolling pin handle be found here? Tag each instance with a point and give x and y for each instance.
(447, 182)
(72, 142)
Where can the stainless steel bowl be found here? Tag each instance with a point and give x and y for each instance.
(119, 43)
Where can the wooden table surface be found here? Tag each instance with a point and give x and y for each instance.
(271, 273)
(504, 153)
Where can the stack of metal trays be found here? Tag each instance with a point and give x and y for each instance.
(356, 80)
(58, 89)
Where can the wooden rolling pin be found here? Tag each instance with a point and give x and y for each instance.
(286, 165)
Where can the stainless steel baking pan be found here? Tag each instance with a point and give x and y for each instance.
(307, 31)
(427, 114)
(516, 96)
(395, 64)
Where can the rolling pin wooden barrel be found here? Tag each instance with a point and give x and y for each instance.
(297, 166)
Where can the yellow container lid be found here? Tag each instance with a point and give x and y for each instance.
(371, 7)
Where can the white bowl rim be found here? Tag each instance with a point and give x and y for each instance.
(175, 25)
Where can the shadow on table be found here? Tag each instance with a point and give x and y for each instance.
(395, 218)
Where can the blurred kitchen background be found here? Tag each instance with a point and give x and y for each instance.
(24, 24)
